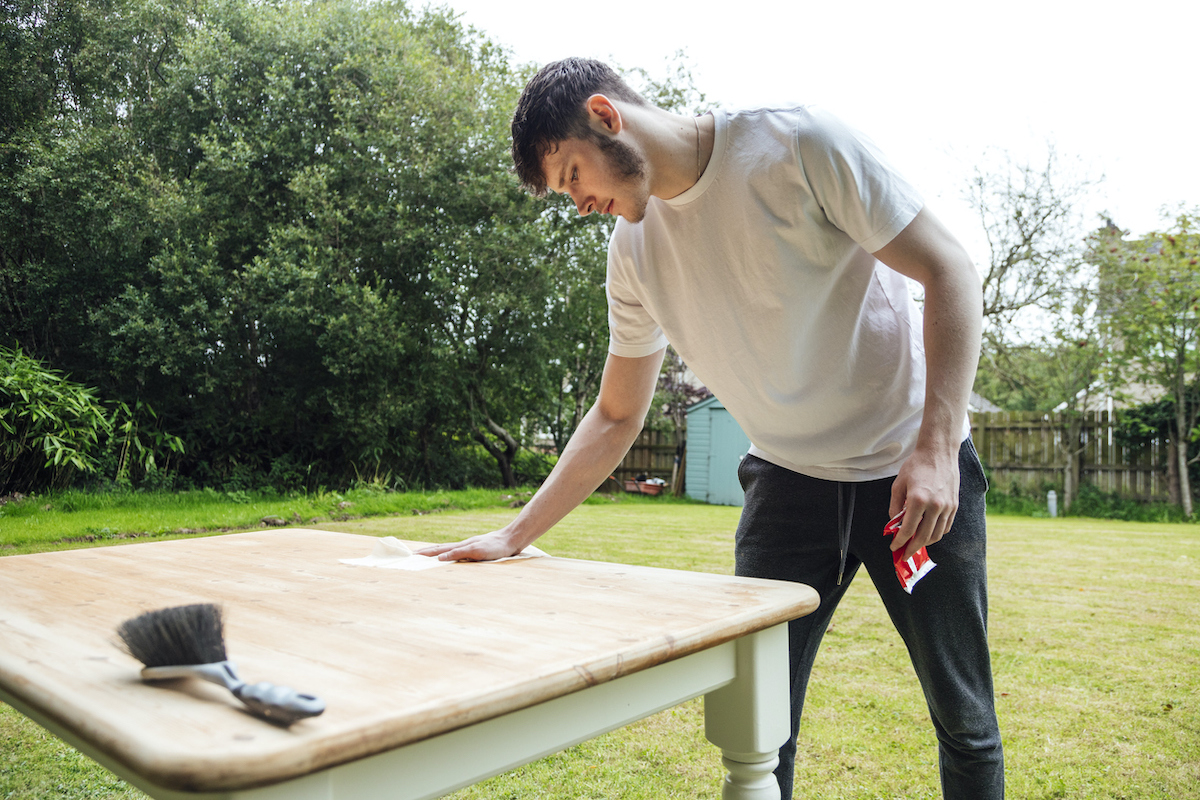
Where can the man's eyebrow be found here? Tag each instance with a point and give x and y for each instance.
(562, 176)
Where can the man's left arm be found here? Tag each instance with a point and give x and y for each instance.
(927, 486)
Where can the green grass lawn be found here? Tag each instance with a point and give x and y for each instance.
(1095, 632)
(66, 520)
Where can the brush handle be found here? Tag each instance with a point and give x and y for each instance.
(276, 703)
(279, 703)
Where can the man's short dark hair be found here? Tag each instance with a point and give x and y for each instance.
(552, 110)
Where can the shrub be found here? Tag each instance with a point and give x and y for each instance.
(1092, 502)
(53, 429)
(50, 427)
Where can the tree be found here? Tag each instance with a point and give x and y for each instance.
(291, 229)
(307, 194)
(77, 193)
(576, 250)
(1078, 362)
(1033, 223)
(1141, 425)
(1152, 313)
(1060, 372)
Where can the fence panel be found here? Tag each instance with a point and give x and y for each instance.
(1027, 450)
(1023, 449)
(652, 455)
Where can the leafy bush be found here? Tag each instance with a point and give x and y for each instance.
(472, 466)
(137, 441)
(53, 429)
(532, 468)
(50, 427)
(1092, 502)
(1016, 504)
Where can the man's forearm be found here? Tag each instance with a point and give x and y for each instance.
(599, 444)
(952, 327)
(595, 450)
(597, 447)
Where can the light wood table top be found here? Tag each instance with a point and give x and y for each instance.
(398, 656)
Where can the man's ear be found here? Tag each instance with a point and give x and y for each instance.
(604, 113)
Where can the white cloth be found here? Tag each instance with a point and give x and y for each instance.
(761, 276)
(391, 553)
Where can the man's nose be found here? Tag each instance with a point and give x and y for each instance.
(584, 206)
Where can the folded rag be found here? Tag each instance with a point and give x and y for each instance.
(391, 553)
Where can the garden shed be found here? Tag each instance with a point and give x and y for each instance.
(715, 447)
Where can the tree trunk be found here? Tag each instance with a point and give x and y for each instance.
(1173, 495)
(1071, 473)
(1069, 482)
(506, 455)
(1181, 431)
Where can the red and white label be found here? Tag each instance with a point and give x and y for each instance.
(912, 569)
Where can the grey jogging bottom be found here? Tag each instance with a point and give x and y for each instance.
(789, 530)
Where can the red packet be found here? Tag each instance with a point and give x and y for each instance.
(908, 570)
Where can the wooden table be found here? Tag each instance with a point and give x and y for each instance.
(434, 680)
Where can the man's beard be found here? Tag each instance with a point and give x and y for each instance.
(630, 166)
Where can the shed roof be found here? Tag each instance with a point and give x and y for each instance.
(710, 401)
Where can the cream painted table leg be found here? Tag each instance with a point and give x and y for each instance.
(749, 718)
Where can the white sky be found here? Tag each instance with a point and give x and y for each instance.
(937, 84)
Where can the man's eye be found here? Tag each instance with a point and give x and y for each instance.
(574, 175)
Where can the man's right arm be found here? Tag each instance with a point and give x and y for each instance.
(602, 439)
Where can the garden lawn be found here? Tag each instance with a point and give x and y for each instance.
(1095, 632)
(64, 521)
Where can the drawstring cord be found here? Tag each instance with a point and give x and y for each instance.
(845, 518)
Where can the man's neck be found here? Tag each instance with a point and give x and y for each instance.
(677, 148)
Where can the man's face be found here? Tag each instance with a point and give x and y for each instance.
(604, 175)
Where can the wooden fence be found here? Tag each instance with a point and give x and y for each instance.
(1026, 450)
(652, 455)
(1020, 449)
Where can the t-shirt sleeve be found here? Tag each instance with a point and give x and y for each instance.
(859, 191)
(632, 331)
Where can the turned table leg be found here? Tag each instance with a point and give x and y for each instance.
(749, 717)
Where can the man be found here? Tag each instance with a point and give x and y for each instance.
(771, 247)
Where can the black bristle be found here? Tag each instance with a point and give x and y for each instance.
(175, 636)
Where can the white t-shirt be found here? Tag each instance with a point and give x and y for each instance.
(761, 276)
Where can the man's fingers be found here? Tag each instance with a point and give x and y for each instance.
(914, 516)
(459, 554)
(922, 536)
(487, 547)
(465, 550)
(899, 496)
(928, 528)
(438, 549)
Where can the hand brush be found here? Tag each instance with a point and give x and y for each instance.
(187, 641)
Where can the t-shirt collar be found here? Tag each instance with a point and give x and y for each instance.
(720, 136)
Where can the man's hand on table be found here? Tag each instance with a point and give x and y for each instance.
(485, 547)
